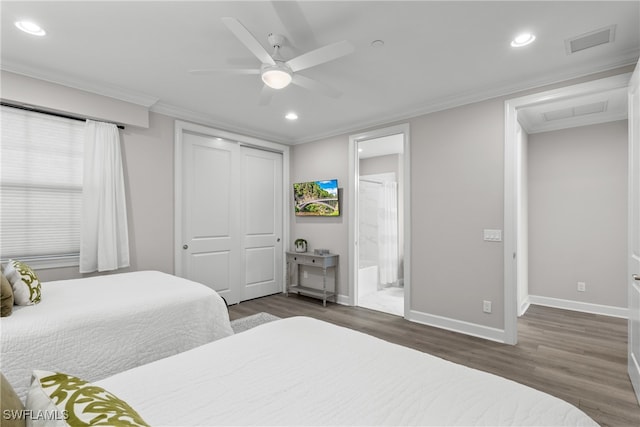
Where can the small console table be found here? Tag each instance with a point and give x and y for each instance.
(296, 259)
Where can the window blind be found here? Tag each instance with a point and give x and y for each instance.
(40, 184)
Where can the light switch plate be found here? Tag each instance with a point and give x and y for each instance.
(492, 235)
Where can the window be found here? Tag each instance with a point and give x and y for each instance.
(40, 186)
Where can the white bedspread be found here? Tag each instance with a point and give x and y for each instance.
(301, 371)
(95, 327)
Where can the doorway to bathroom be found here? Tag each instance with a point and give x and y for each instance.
(379, 227)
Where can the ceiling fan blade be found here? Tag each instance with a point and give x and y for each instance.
(300, 33)
(265, 95)
(245, 71)
(248, 40)
(315, 86)
(320, 55)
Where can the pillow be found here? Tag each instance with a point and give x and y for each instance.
(6, 297)
(65, 400)
(24, 281)
(11, 406)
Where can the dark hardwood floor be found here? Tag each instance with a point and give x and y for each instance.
(578, 357)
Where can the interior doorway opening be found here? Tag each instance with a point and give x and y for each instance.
(520, 115)
(379, 238)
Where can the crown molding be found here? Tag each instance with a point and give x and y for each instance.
(102, 89)
(463, 98)
(206, 119)
(471, 97)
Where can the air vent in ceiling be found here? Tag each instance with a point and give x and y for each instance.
(588, 40)
(581, 110)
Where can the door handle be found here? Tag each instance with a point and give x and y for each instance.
(635, 277)
(185, 246)
(278, 239)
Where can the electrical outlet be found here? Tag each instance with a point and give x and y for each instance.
(486, 306)
(582, 286)
(305, 274)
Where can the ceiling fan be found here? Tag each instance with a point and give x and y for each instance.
(275, 71)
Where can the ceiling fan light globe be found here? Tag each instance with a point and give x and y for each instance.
(276, 78)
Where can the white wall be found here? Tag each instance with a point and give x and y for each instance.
(578, 214)
(315, 161)
(457, 186)
(147, 150)
(457, 190)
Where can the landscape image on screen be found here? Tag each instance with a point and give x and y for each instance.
(316, 198)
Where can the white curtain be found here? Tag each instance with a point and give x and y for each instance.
(104, 238)
(388, 233)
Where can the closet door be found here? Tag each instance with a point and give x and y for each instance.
(229, 218)
(210, 221)
(262, 217)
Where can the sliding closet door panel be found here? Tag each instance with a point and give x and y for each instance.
(210, 213)
(262, 222)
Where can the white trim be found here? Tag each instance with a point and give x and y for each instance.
(510, 189)
(180, 128)
(102, 89)
(585, 307)
(460, 326)
(470, 97)
(343, 300)
(403, 129)
(206, 119)
(523, 307)
(625, 58)
(510, 245)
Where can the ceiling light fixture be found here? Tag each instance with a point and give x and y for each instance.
(30, 27)
(276, 76)
(523, 40)
(291, 116)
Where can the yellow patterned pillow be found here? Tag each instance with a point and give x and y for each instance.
(24, 282)
(69, 401)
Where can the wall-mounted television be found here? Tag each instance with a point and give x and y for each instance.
(316, 198)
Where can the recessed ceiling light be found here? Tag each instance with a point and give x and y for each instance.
(523, 40)
(30, 28)
(377, 44)
(291, 116)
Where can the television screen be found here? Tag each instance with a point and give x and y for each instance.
(316, 198)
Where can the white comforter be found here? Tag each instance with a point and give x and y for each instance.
(96, 327)
(301, 371)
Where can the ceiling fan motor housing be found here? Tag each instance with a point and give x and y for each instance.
(275, 40)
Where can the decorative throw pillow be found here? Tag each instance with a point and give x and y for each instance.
(69, 401)
(12, 409)
(6, 297)
(24, 281)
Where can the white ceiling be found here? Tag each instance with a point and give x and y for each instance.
(383, 146)
(435, 55)
(576, 111)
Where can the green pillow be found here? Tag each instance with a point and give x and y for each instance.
(24, 281)
(6, 297)
(75, 402)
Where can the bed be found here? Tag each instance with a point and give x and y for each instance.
(302, 371)
(98, 326)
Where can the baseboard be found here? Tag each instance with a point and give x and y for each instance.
(605, 310)
(460, 326)
(523, 307)
(343, 300)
